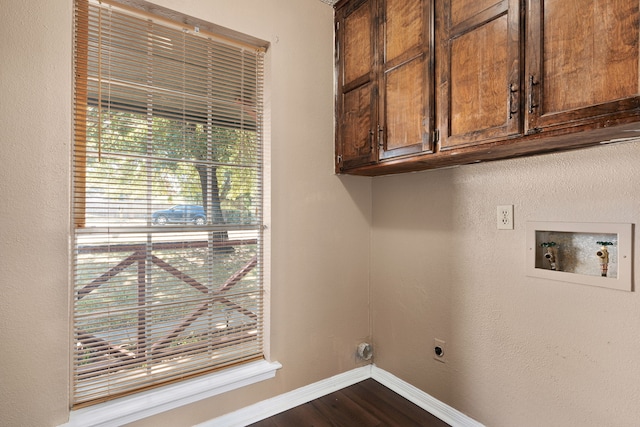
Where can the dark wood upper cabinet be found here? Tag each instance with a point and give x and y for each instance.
(486, 79)
(581, 62)
(479, 75)
(384, 104)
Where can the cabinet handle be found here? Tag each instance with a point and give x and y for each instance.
(371, 133)
(513, 100)
(532, 104)
(380, 136)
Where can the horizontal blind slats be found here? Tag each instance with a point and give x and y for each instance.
(168, 201)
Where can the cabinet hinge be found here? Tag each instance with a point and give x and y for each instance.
(381, 137)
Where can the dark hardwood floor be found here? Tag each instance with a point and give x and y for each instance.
(365, 404)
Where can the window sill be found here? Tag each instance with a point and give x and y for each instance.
(145, 404)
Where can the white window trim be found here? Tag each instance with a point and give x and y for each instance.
(145, 404)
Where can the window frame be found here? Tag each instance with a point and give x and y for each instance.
(132, 408)
(164, 397)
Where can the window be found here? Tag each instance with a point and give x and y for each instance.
(167, 199)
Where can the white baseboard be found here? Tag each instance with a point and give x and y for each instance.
(427, 402)
(275, 405)
(286, 401)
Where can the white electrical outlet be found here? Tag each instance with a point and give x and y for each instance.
(505, 217)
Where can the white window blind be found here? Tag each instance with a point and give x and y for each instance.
(167, 200)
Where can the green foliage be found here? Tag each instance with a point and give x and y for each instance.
(169, 160)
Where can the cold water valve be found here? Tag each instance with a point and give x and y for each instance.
(603, 254)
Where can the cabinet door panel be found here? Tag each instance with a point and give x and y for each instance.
(480, 76)
(405, 27)
(356, 144)
(357, 43)
(405, 114)
(406, 82)
(356, 106)
(582, 60)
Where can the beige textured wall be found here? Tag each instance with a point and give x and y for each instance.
(520, 351)
(35, 112)
(321, 223)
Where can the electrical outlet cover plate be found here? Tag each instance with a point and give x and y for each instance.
(505, 217)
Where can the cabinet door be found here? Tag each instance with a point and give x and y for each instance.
(480, 71)
(406, 95)
(356, 104)
(582, 61)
